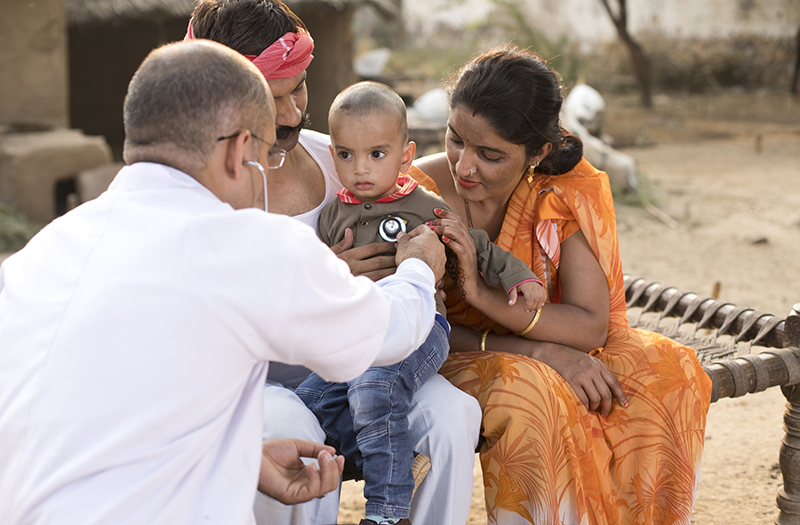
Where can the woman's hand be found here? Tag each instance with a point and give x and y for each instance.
(592, 382)
(370, 260)
(595, 386)
(455, 236)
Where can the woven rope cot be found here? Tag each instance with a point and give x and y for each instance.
(742, 350)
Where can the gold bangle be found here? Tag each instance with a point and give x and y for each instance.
(533, 323)
(483, 339)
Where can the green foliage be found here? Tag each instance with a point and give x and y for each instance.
(15, 230)
(432, 60)
(558, 53)
(645, 194)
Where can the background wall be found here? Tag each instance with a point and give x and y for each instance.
(33, 63)
(586, 21)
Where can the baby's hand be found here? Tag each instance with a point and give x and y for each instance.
(533, 292)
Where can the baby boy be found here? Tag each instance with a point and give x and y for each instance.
(366, 419)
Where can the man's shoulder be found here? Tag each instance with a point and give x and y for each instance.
(333, 207)
(315, 139)
(316, 145)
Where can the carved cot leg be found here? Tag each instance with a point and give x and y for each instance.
(789, 494)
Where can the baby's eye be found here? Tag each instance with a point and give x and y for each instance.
(345, 155)
(378, 154)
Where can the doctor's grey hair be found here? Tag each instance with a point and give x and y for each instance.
(186, 95)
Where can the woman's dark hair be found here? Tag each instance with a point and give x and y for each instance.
(246, 26)
(520, 96)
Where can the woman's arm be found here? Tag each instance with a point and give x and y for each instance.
(584, 292)
(595, 386)
(584, 299)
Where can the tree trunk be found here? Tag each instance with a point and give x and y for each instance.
(793, 87)
(641, 68)
(639, 61)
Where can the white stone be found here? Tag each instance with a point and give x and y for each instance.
(32, 163)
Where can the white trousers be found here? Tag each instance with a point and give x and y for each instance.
(445, 422)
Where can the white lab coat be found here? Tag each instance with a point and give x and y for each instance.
(134, 338)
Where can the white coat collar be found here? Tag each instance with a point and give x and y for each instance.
(152, 176)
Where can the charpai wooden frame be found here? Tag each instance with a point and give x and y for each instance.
(742, 350)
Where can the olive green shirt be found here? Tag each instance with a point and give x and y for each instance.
(498, 267)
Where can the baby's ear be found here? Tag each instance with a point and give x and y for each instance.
(408, 156)
(330, 148)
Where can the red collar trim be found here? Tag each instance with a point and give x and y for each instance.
(407, 185)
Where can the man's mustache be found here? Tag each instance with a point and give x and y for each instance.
(283, 132)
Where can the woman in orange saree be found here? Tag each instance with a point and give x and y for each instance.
(585, 420)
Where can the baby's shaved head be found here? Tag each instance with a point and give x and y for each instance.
(364, 98)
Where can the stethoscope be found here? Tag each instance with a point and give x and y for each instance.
(388, 229)
(260, 168)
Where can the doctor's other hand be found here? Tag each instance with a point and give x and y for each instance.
(286, 478)
(422, 243)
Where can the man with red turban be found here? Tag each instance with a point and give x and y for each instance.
(445, 422)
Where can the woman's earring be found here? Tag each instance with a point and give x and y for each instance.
(531, 169)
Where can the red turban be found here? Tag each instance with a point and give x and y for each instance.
(288, 56)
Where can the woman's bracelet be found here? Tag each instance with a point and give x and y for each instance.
(533, 323)
(483, 339)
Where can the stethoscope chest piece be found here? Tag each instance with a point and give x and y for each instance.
(390, 227)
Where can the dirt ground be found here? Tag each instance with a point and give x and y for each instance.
(726, 168)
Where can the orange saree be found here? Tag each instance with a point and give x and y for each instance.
(546, 459)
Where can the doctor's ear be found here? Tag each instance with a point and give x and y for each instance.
(238, 151)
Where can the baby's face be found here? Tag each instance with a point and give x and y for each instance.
(368, 152)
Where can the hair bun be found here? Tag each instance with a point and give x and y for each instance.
(564, 156)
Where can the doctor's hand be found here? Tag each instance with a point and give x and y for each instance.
(287, 479)
(421, 243)
(370, 260)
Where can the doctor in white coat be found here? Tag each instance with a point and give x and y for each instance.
(136, 331)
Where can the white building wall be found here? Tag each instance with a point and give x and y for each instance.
(586, 21)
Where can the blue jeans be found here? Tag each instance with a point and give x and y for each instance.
(366, 421)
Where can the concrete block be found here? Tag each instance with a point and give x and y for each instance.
(33, 165)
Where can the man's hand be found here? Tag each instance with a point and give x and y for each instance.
(369, 260)
(421, 243)
(287, 479)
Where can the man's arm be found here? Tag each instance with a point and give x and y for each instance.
(418, 253)
(421, 243)
(336, 324)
